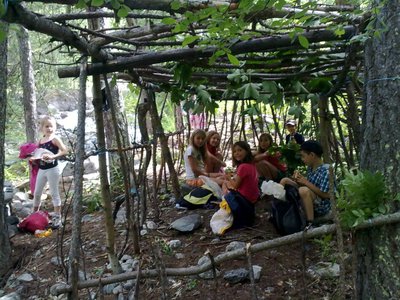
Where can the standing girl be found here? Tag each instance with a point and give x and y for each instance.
(214, 162)
(48, 167)
(243, 189)
(194, 158)
(268, 164)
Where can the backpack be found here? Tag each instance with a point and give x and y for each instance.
(200, 197)
(288, 216)
(36, 221)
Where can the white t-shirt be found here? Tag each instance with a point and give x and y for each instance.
(190, 151)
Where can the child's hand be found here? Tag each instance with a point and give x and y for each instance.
(298, 178)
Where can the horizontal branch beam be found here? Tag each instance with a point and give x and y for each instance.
(255, 45)
(16, 13)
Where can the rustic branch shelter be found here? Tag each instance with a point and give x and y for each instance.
(257, 53)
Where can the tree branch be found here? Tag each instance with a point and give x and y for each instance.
(256, 45)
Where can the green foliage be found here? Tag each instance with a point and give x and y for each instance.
(192, 284)
(291, 156)
(362, 195)
(17, 172)
(182, 73)
(92, 198)
(165, 248)
(325, 245)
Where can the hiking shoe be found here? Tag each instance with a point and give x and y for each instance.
(56, 222)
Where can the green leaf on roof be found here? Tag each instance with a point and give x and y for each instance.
(81, 4)
(189, 39)
(175, 5)
(303, 41)
(115, 4)
(233, 59)
(123, 11)
(168, 21)
(97, 3)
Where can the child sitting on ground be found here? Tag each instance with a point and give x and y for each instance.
(268, 164)
(313, 189)
(194, 158)
(241, 192)
(214, 162)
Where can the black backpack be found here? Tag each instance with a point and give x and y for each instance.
(288, 216)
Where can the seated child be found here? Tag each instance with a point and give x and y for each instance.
(194, 158)
(241, 192)
(293, 136)
(268, 164)
(313, 189)
(214, 161)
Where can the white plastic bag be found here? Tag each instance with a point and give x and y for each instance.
(275, 189)
(221, 221)
(214, 187)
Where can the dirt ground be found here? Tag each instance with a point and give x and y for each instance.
(283, 273)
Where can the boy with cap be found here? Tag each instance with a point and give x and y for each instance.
(313, 189)
(293, 135)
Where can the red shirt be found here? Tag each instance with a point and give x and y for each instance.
(211, 149)
(249, 182)
(274, 160)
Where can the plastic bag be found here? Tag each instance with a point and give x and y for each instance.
(222, 220)
(275, 189)
(214, 187)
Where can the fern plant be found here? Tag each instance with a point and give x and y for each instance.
(362, 195)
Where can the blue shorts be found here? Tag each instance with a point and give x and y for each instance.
(321, 207)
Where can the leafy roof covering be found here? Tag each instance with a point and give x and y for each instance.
(243, 49)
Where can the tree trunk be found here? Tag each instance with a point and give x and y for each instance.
(378, 274)
(28, 84)
(74, 251)
(105, 186)
(5, 248)
(159, 132)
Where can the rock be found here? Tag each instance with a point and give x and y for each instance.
(208, 274)
(11, 296)
(151, 225)
(16, 205)
(20, 196)
(179, 256)
(121, 216)
(235, 246)
(24, 212)
(237, 275)
(118, 289)
(56, 286)
(187, 223)
(324, 270)
(12, 230)
(12, 220)
(257, 272)
(56, 260)
(128, 285)
(125, 258)
(108, 289)
(174, 244)
(26, 277)
(87, 218)
(143, 232)
(121, 296)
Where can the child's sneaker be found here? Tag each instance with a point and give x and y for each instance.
(56, 222)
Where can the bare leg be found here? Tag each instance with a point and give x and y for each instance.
(307, 197)
(267, 170)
